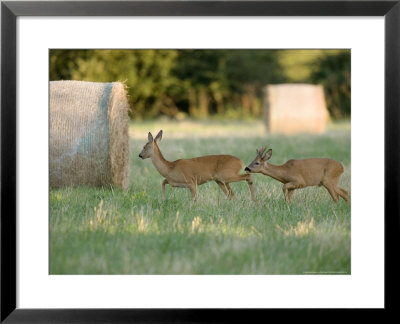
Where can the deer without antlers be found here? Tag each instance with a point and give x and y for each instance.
(189, 173)
(296, 174)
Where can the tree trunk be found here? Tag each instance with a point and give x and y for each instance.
(204, 101)
(245, 103)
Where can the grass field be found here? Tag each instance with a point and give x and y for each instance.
(109, 231)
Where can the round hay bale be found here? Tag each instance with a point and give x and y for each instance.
(295, 108)
(89, 139)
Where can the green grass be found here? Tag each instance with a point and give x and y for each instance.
(109, 231)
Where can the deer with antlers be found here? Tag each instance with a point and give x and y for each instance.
(190, 173)
(296, 174)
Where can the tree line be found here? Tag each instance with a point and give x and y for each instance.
(203, 83)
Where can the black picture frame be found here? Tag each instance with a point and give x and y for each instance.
(10, 10)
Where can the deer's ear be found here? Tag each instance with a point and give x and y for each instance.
(267, 155)
(150, 137)
(159, 136)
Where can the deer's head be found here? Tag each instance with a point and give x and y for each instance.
(148, 149)
(260, 160)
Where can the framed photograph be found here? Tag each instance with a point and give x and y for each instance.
(151, 158)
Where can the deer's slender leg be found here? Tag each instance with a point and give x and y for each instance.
(231, 193)
(165, 181)
(284, 189)
(332, 192)
(243, 177)
(222, 186)
(290, 194)
(339, 191)
(288, 189)
(342, 193)
(193, 191)
(250, 183)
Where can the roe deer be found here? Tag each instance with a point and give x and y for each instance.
(296, 174)
(189, 173)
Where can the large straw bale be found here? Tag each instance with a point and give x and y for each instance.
(89, 141)
(295, 108)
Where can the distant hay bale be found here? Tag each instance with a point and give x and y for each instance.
(89, 141)
(295, 108)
